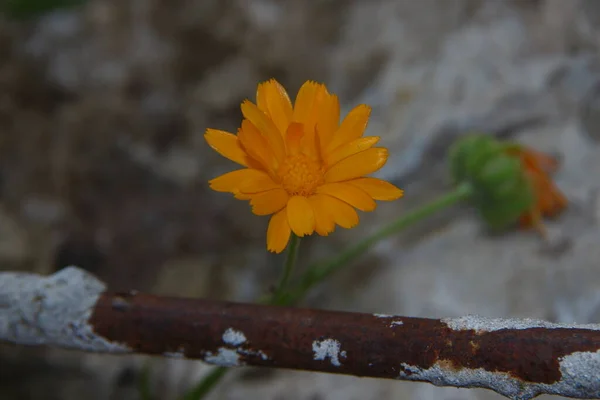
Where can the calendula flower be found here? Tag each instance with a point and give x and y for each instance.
(548, 199)
(510, 182)
(301, 164)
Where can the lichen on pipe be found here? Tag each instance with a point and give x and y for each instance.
(519, 359)
(53, 310)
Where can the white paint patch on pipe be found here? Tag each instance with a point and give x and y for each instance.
(383, 316)
(484, 324)
(224, 358)
(233, 337)
(258, 353)
(328, 348)
(180, 353)
(579, 378)
(397, 322)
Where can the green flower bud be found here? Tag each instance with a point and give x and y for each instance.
(501, 191)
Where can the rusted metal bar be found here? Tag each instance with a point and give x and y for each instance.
(519, 359)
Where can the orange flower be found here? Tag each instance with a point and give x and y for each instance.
(301, 164)
(548, 199)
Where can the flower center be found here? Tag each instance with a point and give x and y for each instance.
(300, 175)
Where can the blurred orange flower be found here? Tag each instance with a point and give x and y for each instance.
(301, 164)
(548, 199)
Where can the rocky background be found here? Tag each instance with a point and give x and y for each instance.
(103, 164)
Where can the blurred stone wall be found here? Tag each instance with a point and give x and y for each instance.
(103, 164)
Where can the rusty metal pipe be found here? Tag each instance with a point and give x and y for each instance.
(519, 359)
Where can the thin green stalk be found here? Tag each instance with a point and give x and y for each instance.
(144, 385)
(210, 380)
(206, 384)
(317, 272)
(288, 266)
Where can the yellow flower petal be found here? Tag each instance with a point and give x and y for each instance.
(324, 223)
(261, 98)
(346, 150)
(278, 232)
(297, 141)
(266, 126)
(257, 184)
(304, 167)
(309, 101)
(352, 195)
(257, 146)
(310, 145)
(293, 138)
(272, 98)
(242, 196)
(269, 202)
(303, 106)
(328, 120)
(357, 165)
(301, 216)
(231, 181)
(342, 213)
(378, 188)
(352, 127)
(227, 145)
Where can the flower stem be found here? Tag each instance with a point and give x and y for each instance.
(288, 267)
(206, 384)
(144, 384)
(321, 270)
(211, 379)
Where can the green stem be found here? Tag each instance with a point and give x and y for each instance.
(206, 384)
(144, 385)
(209, 381)
(288, 266)
(321, 270)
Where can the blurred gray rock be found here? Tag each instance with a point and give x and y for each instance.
(111, 102)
